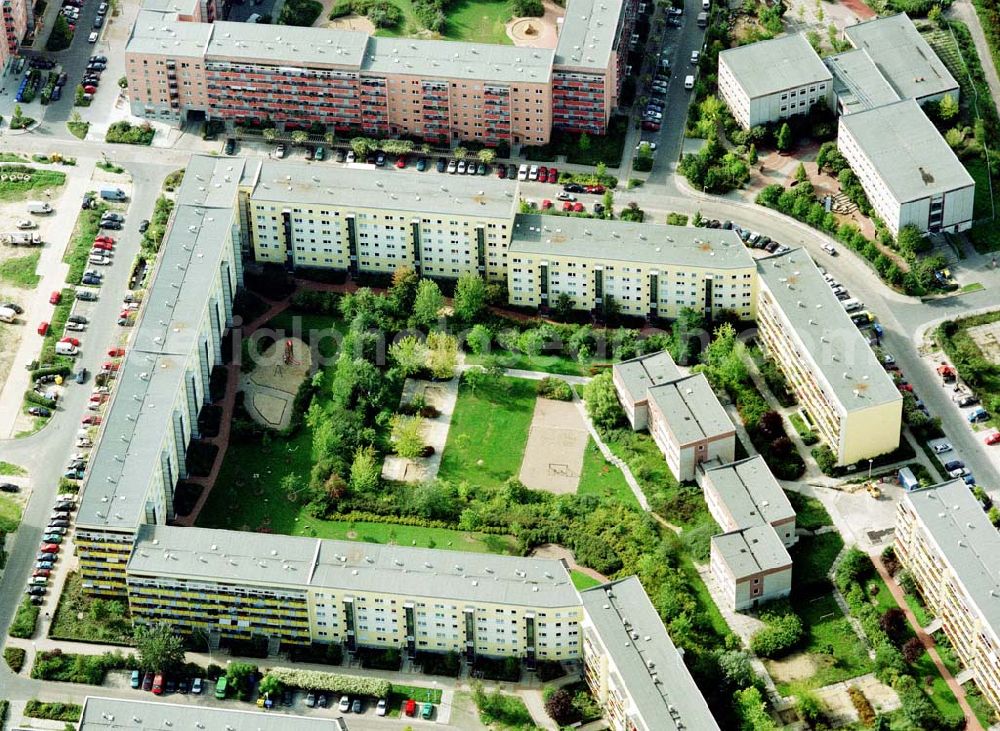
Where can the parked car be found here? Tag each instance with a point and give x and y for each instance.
(345, 704)
(197, 685)
(310, 700)
(322, 700)
(977, 415)
(158, 684)
(147, 682)
(993, 438)
(941, 448)
(383, 707)
(50, 548)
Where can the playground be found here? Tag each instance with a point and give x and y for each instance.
(271, 387)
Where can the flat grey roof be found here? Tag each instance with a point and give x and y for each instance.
(967, 540)
(116, 714)
(847, 367)
(638, 374)
(691, 409)
(751, 550)
(157, 32)
(127, 456)
(908, 153)
(292, 183)
(651, 667)
(299, 562)
(456, 60)
(288, 45)
(646, 243)
(858, 83)
(768, 67)
(588, 33)
(750, 492)
(903, 56)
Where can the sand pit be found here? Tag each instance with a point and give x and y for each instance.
(271, 387)
(537, 32)
(347, 22)
(553, 456)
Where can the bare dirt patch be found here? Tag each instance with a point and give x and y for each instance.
(553, 456)
(347, 22)
(987, 337)
(792, 668)
(271, 387)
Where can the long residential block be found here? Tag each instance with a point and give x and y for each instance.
(948, 544)
(909, 173)
(847, 395)
(180, 65)
(120, 714)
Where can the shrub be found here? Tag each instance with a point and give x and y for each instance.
(529, 8)
(14, 657)
(866, 713)
(559, 706)
(70, 668)
(390, 659)
(555, 389)
(826, 460)
(331, 682)
(913, 648)
(780, 634)
(25, 619)
(893, 623)
(123, 133)
(300, 12)
(602, 402)
(854, 568)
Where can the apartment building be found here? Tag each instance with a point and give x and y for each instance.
(751, 565)
(633, 668)
(439, 91)
(647, 270)
(365, 221)
(773, 80)
(745, 493)
(633, 379)
(163, 380)
(689, 425)
(948, 544)
(296, 590)
(904, 58)
(18, 19)
(848, 397)
(909, 173)
(119, 714)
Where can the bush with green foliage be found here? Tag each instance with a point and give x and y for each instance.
(528, 9)
(60, 37)
(602, 403)
(25, 620)
(15, 658)
(554, 388)
(332, 682)
(68, 712)
(124, 133)
(779, 635)
(300, 12)
(69, 668)
(714, 169)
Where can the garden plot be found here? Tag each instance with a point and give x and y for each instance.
(553, 456)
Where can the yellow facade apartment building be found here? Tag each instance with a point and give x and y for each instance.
(849, 398)
(946, 541)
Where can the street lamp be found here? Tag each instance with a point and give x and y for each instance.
(870, 462)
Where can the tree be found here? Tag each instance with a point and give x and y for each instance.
(696, 220)
(365, 470)
(478, 340)
(404, 289)
(563, 306)
(427, 304)
(784, 139)
(893, 623)
(408, 436)
(271, 686)
(934, 14)
(853, 568)
(752, 158)
(443, 357)
(800, 173)
(602, 401)
(60, 37)
(410, 355)
(470, 296)
(270, 134)
(238, 676)
(460, 153)
(810, 708)
(361, 146)
(299, 136)
(560, 708)
(781, 632)
(913, 648)
(752, 711)
(330, 137)
(487, 156)
(947, 108)
(17, 118)
(600, 171)
(160, 650)
(583, 144)
(735, 666)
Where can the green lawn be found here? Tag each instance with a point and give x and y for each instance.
(39, 181)
(10, 514)
(813, 556)
(417, 692)
(582, 581)
(882, 597)
(602, 478)
(85, 619)
(809, 511)
(935, 686)
(20, 271)
(489, 429)
(558, 364)
(6, 468)
(479, 21)
(982, 203)
(923, 616)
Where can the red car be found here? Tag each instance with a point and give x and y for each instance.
(91, 420)
(43, 327)
(567, 206)
(42, 572)
(594, 188)
(110, 366)
(543, 174)
(90, 89)
(410, 707)
(546, 204)
(50, 548)
(993, 438)
(98, 398)
(104, 240)
(904, 387)
(101, 246)
(401, 162)
(55, 298)
(651, 126)
(578, 208)
(72, 341)
(501, 171)
(116, 352)
(553, 175)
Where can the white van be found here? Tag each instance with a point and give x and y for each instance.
(706, 4)
(851, 305)
(7, 314)
(255, 18)
(39, 207)
(689, 82)
(66, 349)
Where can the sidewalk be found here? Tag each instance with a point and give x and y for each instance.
(972, 723)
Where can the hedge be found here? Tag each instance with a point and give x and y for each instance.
(358, 516)
(15, 659)
(33, 397)
(63, 371)
(780, 634)
(69, 712)
(331, 682)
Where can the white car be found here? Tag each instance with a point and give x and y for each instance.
(76, 326)
(689, 82)
(350, 156)
(461, 171)
(345, 704)
(695, 55)
(942, 448)
(522, 172)
(533, 172)
(101, 261)
(452, 167)
(960, 472)
(26, 223)
(382, 708)
(566, 197)
(92, 38)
